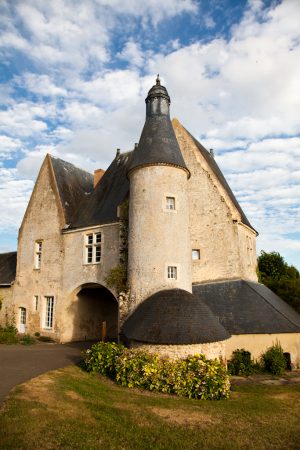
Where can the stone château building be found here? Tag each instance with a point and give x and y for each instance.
(165, 212)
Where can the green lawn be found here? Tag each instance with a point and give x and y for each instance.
(69, 409)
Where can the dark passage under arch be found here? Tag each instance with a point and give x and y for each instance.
(93, 305)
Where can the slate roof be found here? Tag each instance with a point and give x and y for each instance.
(101, 206)
(217, 171)
(173, 316)
(8, 264)
(158, 144)
(245, 307)
(74, 185)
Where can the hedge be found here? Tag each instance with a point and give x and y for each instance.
(193, 377)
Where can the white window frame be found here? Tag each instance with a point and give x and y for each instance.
(49, 312)
(172, 273)
(38, 251)
(170, 203)
(93, 247)
(23, 315)
(196, 255)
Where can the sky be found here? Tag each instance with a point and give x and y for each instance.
(74, 76)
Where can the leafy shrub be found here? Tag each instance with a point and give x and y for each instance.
(26, 339)
(37, 334)
(101, 358)
(241, 363)
(273, 360)
(8, 335)
(193, 377)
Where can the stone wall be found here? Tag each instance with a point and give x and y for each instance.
(227, 247)
(42, 222)
(258, 343)
(211, 350)
(78, 275)
(7, 310)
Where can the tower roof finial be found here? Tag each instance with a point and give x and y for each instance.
(158, 80)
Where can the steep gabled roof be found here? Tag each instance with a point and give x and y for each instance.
(101, 206)
(220, 177)
(245, 307)
(173, 316)
(8, 264)
(73, 184)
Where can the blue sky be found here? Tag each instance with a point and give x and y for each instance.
(74, 76)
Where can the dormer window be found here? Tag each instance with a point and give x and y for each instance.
(38, 247)
(170, 203)
(93, 248)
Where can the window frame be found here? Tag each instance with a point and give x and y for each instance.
(194, 250)
(170, 203)
(38, 252)
(172, 272)
(93, 247)
(49, 312)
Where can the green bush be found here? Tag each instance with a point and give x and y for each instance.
(193, 377)
(26, 339)
(241, 363)
(101, 358)
(273, 360)
(8, 335)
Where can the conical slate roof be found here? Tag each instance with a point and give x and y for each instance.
(173, 316)
(158, 144)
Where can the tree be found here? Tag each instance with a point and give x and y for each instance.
(281, 278)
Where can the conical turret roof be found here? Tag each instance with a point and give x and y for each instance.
(158, 144)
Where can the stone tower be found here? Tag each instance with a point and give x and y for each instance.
(159, 253)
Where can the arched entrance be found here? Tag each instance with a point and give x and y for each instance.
(92, 306)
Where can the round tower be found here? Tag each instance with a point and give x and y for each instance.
(159, 246)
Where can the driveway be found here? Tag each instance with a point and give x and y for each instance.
(19, 363)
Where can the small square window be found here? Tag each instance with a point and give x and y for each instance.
(170, 203)
(195, 254)
(172, 272)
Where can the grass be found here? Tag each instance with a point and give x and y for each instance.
(70, 409)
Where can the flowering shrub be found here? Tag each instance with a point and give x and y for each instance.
(193, 377)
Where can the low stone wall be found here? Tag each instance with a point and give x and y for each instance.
(211, 350)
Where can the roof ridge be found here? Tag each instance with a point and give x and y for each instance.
(70, 164)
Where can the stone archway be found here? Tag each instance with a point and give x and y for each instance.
(91, 305)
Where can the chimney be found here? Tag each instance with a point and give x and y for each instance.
(98, 174)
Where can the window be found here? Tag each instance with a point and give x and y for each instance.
(23, 316)
(172, 272)
(195, 254)
(49, 312)
(170, 203)
(93, 248)
(35, 302)
(38, 254)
